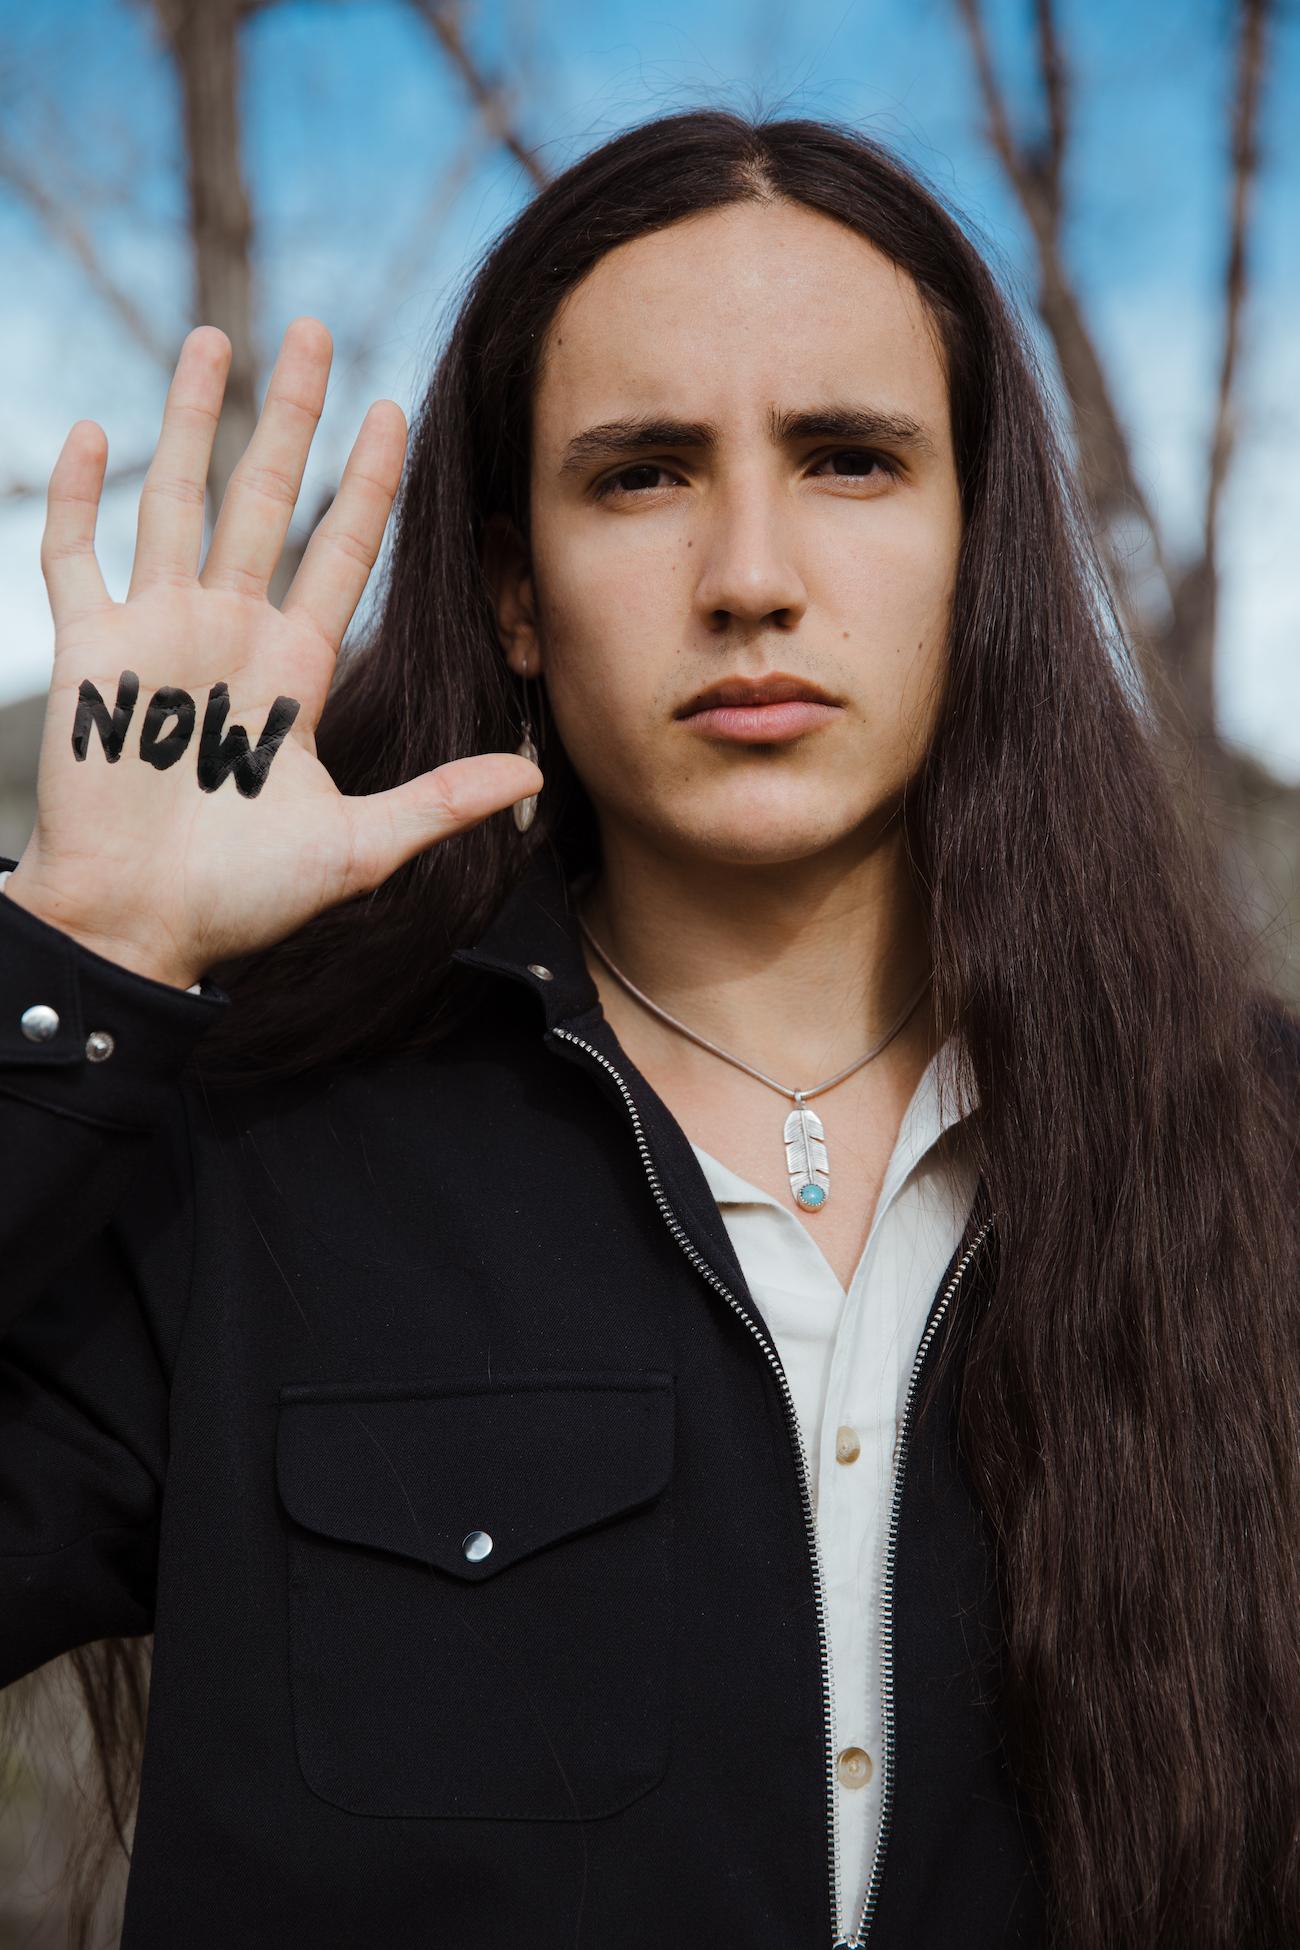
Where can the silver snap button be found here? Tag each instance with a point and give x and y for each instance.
(99, 1045)
(540, 970)
(477, 1545)
(39, 1023)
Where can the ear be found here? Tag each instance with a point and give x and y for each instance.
(507, 571)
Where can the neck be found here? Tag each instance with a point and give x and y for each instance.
(796, 968)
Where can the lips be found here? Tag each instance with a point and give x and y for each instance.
(751, 692)
(773, 710)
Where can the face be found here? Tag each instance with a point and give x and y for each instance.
(745, 526)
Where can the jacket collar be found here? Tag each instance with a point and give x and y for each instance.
(535, 928)
(534, 938)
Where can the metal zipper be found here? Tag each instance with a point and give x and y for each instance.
(872, 1896)
(810, 1521)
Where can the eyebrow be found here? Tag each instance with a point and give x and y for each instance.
(635, 435)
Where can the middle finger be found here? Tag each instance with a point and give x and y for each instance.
(263, 489)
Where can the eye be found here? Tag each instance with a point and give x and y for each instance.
(609, 485)
(864, 454)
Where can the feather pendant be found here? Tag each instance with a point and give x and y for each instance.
(525, 810)
(806, 1159)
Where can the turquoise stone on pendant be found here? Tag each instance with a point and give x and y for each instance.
(805, 1157)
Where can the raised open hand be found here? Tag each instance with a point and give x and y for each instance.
(167, 836)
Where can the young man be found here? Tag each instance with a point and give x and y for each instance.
(638, 1390)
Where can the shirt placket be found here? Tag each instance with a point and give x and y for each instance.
(851, 1486)
(855, 1477)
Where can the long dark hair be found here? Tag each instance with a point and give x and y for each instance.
(1129, 1408)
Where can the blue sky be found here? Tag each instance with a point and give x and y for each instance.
(352, 119)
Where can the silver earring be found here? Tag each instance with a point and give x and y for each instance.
(525, 810)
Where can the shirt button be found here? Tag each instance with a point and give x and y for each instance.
(847, 1446)
(477, 1545)
(541, 971)
(39, 1023)
(854, 1767)
(99, 1045)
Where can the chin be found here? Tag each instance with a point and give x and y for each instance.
(768, 840)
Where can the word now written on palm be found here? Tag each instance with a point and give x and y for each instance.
(218, 756)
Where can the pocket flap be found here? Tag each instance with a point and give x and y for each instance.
(523, 1459)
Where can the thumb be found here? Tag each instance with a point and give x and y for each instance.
(388, 828)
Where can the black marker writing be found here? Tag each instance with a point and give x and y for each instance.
(111, 725)
(218, 756)
(164, 704)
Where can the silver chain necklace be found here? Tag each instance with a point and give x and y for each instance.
(803, 1134)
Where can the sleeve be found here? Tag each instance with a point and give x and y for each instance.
(95, 1254)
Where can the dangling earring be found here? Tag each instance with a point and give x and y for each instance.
(525, 810)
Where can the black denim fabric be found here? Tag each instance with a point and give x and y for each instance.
(271, 1358)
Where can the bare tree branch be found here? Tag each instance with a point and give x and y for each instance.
(354, 348)
(65, 227)
(203, 38)
(1178, 652)
(1110, 483)
(1245, 171)
(356, 343)
(489, 97)
(1188, 642)
(114, 477)
(1051, 65)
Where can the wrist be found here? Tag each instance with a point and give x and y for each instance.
(58, 911)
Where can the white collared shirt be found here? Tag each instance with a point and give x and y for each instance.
(848, 1359)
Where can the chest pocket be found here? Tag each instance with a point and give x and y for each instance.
(480, 1583)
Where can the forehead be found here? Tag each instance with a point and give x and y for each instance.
(734, 310)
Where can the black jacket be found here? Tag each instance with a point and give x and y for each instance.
(271, 1358)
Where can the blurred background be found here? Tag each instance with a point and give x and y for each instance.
(1129, 171)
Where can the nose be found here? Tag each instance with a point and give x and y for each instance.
(747, 569)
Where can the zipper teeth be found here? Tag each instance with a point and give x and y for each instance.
(810, 1521)
(872, 1895)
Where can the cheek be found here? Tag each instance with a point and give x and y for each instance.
(918, 700)
(600, 680)
(604, 622)
(906, 596)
